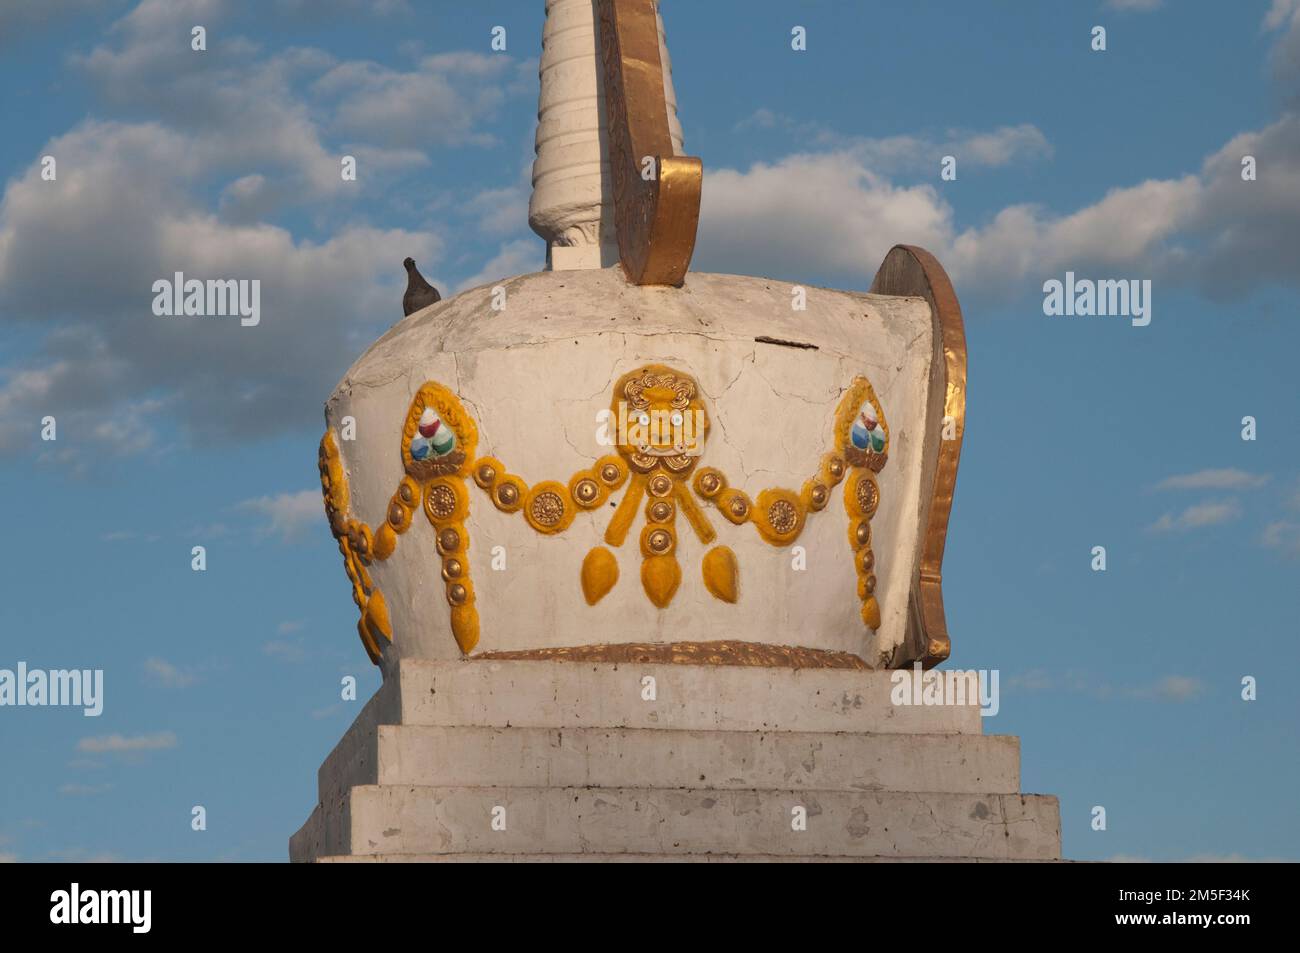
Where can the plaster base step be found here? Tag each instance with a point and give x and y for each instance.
(418, 820)
(638, 757)
(650, 859)
(549, 694)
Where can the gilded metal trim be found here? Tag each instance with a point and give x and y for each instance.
(656, 219)
(689, 653)
(911, 271)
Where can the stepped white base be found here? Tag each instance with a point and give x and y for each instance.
(652, 859)
(529, 760)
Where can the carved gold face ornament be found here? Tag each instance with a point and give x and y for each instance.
(661, 422)
(658, 466)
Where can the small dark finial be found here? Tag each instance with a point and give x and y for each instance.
(419, 293)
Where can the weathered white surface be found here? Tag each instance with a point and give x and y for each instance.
(532, 694)
(535, 694)
(549, 740)
(572, 202)
(535, 375)
(635, 757)
(716, 703)
(656, 859)
(432, 820)
(579, 257)
(691, 698)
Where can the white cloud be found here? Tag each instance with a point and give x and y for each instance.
(121, 218)
(285, 650)
(1285, 57)
(1138, 6)
(206, 147)
(837, 211)
(17, 17)
(1283, 536)
(830, 212)
(1035, 680)
(500, 211)
(1227, 479)
(883, 155)
(315, 8)
(812, 213)
(1210, 513)
(1170, 688)
(763, 118)
(518, 257)
(999, 147)
(232, 106)
(128, 427)
(1280, 12)
(84, 790)
(168, 674)
(442, 101)
(1174, 688)
(123, 743)
(289, 514)
(81, 855)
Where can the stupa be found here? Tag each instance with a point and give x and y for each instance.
(639, 549)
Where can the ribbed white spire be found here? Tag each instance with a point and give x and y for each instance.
(572, 205)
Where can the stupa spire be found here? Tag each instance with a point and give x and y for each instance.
(610, 182)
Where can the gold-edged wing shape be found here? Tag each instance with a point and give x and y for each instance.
(656, 202)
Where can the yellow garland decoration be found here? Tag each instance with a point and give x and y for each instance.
(656, 471)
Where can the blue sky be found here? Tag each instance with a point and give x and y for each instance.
(222, 687)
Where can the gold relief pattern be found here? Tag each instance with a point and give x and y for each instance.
(358, 546)
(440, 502)
(659, 466)
(547, 509)
(653, 463)
(860, 427)
(586, 492)
(861, 437)
(438, 442)
(863, 434)
(657, 393)
(866, 493)
(509, 493)
(721, 573)
(655, 470)
(779, 516)
(439, 437)
(599, 573)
